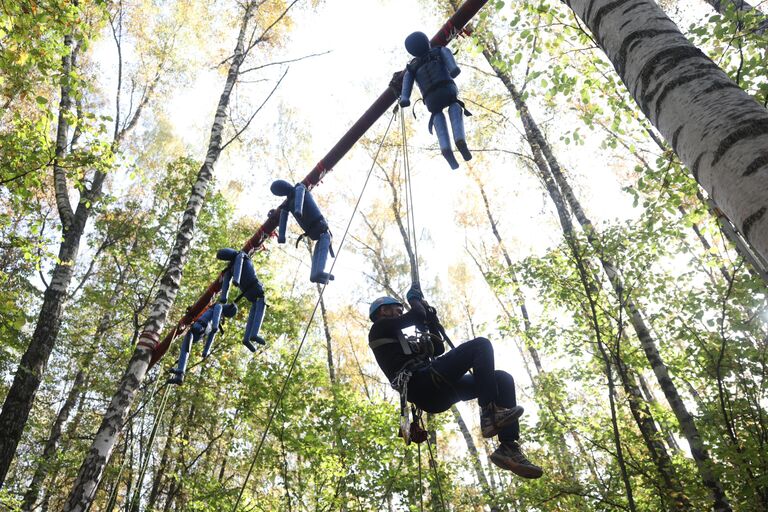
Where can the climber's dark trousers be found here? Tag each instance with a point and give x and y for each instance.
(447, 381)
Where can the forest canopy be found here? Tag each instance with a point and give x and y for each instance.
(608, 236)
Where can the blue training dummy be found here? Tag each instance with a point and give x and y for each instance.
(241, 274)
(208, 323)
(302, 205)
(434, 69)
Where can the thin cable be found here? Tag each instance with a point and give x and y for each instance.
(410, 217)
(410, 223)
(309, 322)
(389, 484)
(421, 483)
(433, 463)
(113, 495)
(151, 442)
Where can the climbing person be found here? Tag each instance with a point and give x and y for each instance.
(302, 205)
(433, 70)
(208, 323)
(434, 380)
(241, 273)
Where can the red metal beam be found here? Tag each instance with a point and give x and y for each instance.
(447, 32)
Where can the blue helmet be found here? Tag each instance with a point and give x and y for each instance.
(381, 301)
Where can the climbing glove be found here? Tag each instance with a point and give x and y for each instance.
(414, 293)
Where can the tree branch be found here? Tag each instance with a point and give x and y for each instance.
(254, 114)
(284, 62)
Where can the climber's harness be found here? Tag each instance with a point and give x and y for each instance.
(315, 230)
(421, 348)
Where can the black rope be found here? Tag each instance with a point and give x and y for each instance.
(410, 215)
(292, 366)
(150, 443)
(389, 485)
(433, 464)
(421, 483)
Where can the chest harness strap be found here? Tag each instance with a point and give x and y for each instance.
(421, 348)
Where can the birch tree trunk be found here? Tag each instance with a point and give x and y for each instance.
(20, 398)
(475, 455)
(51, 445)
(21, 395)
(29, 374)
(92, 468)
(717, 129)
(642, 415)
(687, 423)
(562, 449)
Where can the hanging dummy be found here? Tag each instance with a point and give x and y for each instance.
(208, 324)
(302, 205)
(433, 70)
(241, 274)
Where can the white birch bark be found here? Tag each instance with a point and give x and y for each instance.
(92, 468)
(717, 129)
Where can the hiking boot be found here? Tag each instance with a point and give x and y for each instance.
(494, 418)
(509, 456)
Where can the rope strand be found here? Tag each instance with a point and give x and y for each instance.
(309, 323)
(433, 464)
(409, 210)
(150, 443)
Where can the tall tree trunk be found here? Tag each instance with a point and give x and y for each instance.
(51, 445)
(328, 338)
(18, 402)
(91, 471)
(475, 456)
(658, 455)
(518, 294)
(687, 424)
(20, 398)
(716, 128)
(652, 437)
(49, 451)
(562, 448)
(651, 399)
(615, 422)
(326, 327)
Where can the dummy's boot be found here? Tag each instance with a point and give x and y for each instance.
(178, 372)
(214, 328)
(444, 139)
(255, 318)
(509, 456)
(319, 257)
(494, 418)
(456, 113)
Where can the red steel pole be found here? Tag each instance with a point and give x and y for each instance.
(447, 32)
